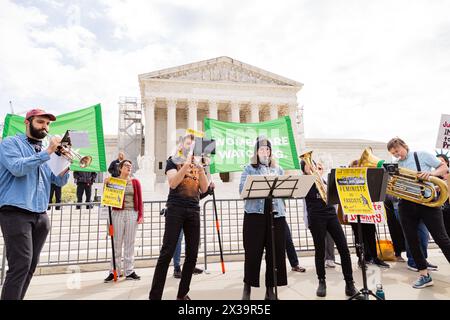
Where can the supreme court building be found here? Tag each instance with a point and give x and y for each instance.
(178, 98)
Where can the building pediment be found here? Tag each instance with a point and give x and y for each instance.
(222, 69)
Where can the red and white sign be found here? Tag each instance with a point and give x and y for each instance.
(379, 217)
(443, 139)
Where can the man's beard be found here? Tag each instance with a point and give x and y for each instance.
(36, 133)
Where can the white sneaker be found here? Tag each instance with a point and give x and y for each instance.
(330, 264)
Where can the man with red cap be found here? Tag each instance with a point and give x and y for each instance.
(25, 180)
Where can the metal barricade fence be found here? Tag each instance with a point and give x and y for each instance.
(231, 216)
(79, 234)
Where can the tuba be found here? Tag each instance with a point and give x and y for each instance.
(404, 183)
(320, 185)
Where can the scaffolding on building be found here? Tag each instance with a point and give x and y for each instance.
(130, 129)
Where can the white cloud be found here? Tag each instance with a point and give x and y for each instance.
(371, 69)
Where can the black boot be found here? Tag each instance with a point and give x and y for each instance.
(322, 288)
(246, 292)
(270, 294)
(350, 289)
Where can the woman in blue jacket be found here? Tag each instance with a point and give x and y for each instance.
(256, 229)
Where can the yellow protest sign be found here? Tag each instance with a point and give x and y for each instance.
(353, 191)
(114, 192)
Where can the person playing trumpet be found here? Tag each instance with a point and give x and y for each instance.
(322, 218)
(412, 213)
(25, 179)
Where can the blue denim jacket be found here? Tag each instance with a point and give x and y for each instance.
(25, 177)
(257, 205)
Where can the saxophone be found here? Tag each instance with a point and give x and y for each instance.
(321, 187)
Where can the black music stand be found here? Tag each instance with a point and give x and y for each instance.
(275, 187)
(377, 182)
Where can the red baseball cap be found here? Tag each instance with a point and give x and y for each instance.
(39, 112)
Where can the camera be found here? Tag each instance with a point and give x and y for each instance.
(204, 147)
(391, 168)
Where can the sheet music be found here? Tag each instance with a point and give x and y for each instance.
(79, 139)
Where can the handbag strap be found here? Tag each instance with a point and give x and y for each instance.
(417, 161)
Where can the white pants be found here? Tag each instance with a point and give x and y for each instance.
(125, 226)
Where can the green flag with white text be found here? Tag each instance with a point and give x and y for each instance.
(88, 120)
(235, 143)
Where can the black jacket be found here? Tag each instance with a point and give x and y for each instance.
(84, 177)
(114, 168)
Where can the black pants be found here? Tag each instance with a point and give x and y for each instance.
(395, 229)
(369, 240)
(446, 214)
(83, 188)
(319, 225)
(290, 248)
(24, 234)
(177, 219)
(410, 215)
(56, 191)
(257, 237)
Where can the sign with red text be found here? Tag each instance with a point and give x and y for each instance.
(443, 139)
(378, 217)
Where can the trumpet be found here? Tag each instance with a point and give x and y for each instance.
(65, 150)
(321, 187)
(405, 184)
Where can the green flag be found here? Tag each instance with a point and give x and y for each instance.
(88, 120)
(235, 143)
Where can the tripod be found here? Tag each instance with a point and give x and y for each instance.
(364, 292)
(268, 208)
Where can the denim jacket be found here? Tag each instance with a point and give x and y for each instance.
(257, 205)
(25, 176)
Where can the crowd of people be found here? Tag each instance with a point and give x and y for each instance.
(27, 186)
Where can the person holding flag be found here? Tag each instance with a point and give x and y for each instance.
(125, 221)
(187, 181)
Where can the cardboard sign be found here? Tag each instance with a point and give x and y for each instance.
(443, 139)
(353, 191)
(114, 192)
(379, 217)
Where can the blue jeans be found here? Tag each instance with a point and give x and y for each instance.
(423, 234)
(177, 254)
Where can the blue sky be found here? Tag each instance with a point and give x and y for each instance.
(371, 69)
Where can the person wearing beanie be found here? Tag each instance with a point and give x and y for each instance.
(256, 228)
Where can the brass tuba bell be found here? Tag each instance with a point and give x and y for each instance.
(404, 183)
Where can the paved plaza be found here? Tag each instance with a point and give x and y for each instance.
(213, 285)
